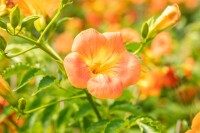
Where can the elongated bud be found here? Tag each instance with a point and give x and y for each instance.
(145, 30)
(21, 104)
(6, 93)
(169, 17)
(15, 16)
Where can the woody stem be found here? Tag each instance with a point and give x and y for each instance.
(89, 97)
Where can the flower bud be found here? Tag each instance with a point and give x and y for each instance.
(21, 104)
(168, 18)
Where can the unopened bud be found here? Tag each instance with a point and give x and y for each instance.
(21, 104)
(169, 17)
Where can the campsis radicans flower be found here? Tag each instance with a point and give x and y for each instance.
(100, 63)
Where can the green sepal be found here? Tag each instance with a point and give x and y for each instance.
(29, 20)
(15, 17)
(3, 43)
(145, 30)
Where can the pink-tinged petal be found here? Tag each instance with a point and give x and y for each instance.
(105, 87)
(89, 43)
(115, 42)
(116, 48)
(128, 70)
(99, 49)
(77, 71)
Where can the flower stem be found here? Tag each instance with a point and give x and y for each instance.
(89, 97)
(139, 49)
(49, 104)
(27, 39)
(142, 44)
(45, 47)
(22, 52)
(50, 24)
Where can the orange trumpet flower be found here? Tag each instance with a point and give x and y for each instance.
(100, 63)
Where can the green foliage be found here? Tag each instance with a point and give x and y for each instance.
(62, 116)
(45, 82)
(63, 20)
(3, 43)
(133, 46)
(84, 110)
(15, 69)
(125, 106)
(3, 24)
(29, 20)
(97, 127)
(39, 79)
(114, 126)
(148, 125)
(28, 76)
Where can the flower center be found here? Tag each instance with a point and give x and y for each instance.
(96, 68)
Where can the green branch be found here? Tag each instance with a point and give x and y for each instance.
(139, 49)
(89, 97)
(49, 104)
(50, 24)
(22, 52)
(27, 38)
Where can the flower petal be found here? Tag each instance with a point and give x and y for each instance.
(103, 86)
(77, 71)
(116, 48)
(128, 70)
(99, 49)
(115, 42)
(196, 121)
(90, 44)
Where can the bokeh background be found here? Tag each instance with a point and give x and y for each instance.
(169, 87)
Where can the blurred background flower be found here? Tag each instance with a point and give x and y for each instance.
(169, 85)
